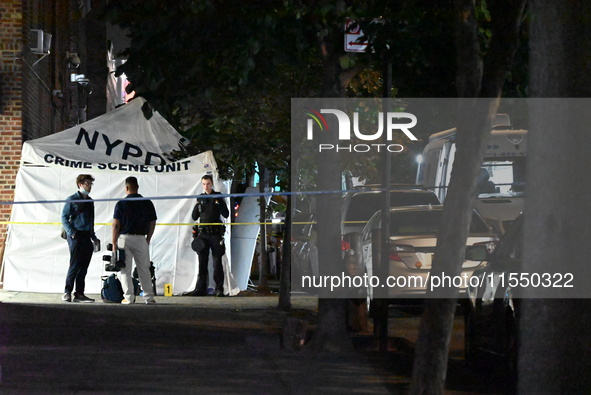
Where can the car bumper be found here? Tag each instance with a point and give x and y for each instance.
(402, 282)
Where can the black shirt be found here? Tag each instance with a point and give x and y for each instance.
(210, 209)
(135, 215)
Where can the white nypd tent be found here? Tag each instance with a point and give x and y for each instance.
(111, 147)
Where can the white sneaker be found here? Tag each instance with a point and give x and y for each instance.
(125, 301)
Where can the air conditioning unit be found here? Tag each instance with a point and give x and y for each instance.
(40, 42)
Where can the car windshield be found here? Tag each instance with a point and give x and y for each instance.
(411, 223)
(502, 177)
(364, 205)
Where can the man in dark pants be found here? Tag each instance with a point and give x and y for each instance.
(209, 237)
(78, 222)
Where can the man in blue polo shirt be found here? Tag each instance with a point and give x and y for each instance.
(133, 226)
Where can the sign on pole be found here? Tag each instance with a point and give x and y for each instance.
(352, 36)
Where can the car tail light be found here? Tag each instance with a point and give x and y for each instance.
(395, 249)
(345, 245)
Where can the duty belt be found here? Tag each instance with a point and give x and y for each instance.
(212, 229)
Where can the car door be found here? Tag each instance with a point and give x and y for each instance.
(366, 245)
(494, 314)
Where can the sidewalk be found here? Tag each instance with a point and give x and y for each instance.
(180, 345)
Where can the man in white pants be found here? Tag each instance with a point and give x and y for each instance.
(134, 221)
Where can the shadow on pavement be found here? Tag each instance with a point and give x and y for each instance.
(197, 345)
(202, 346)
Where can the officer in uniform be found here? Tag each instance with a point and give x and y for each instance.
(209, 237)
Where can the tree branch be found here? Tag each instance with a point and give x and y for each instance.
(506, 23)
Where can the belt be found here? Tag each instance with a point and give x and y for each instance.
(135, 234)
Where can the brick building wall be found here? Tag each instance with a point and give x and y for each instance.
(37, 96)
(37, 82)
(11, 103)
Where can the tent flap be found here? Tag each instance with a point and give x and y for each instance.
(122, 136)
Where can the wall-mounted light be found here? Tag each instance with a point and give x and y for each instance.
(73, 60)
(79, 78)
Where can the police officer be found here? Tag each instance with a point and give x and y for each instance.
(209, 237)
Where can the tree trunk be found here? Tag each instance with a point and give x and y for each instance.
(331, 334)
(284, 302)
(430, 363)
(555, 352)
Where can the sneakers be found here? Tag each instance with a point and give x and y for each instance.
(67, 297)
(219, 293)
(125, 301)
(82, 298)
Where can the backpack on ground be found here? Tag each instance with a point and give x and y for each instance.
(111, 291)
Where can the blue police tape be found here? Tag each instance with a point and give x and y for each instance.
(223, 195)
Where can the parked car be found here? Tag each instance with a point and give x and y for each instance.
(412, 242)
(358, 207)
(491, 314)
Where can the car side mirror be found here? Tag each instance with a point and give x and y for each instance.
(477, 252)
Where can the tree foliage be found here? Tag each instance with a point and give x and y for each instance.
(221, 71)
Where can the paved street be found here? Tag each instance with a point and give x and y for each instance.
(187, 345)
(180, 345)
